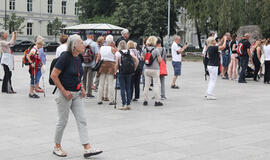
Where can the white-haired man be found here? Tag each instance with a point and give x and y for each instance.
(177, 59)
(125, 36)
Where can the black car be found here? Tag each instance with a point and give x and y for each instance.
(50, 46)
(21, 46)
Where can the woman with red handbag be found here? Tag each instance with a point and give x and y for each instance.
(162, 68)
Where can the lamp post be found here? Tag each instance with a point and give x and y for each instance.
(5, 14)
(169, 12)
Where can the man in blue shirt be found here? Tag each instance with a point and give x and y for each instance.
(88, 74)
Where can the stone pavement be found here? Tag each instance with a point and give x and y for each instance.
(234, 127)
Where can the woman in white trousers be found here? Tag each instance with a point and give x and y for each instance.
(213, 64)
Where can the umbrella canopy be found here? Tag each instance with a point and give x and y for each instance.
(94, 26)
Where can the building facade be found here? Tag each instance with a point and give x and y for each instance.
(38, 14)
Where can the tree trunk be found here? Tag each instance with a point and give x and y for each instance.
(198, 33)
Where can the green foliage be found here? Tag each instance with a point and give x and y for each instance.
(228, 15)
(14, 23)
(54, 27)
(95, 11)
(144, 18)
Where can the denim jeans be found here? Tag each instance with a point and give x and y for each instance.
(244, 65)
(34, 79)
(125, 85)
(117, 81)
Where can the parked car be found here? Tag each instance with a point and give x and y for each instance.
(21, 46)
(50, 46)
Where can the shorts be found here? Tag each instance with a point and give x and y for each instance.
(177, 68)
(35, 79)
(226, 59)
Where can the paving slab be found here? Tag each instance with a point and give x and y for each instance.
(234, 127)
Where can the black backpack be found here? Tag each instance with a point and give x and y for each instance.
(127, 65)
(53, 64)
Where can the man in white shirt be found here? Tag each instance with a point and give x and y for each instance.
(177, 59)
(63, 47)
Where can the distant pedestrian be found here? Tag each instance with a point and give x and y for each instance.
(226, 57)
(71, 92)
(213, 64)
(126, 63)
(106, 71)
(7, 60)
(163, 55)
(232, 71)
(151, 71)
(35, 68)
(266, 49)
(136, 76)
(63, 47)
(89, 63)
(42, 56)
(244, 59)
(256, 58)
(125, 37)
(100, 42)
(177, 52)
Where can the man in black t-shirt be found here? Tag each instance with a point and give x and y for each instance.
(244, 59)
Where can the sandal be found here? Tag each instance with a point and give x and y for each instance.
(174, 87)
(59, 152)
(39, 90)
(106, 99)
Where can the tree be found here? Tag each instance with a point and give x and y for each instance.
(265, 18)
(96, 11)
(14, 23)
(54, 27)
(144, 18)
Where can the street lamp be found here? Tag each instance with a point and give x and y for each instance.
(5, 14)
(169, 8)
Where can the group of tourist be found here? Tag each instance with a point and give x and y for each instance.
(230, 54)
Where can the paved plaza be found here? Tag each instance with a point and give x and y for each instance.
(187, 127)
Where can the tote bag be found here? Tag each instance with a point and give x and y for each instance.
(163, 68)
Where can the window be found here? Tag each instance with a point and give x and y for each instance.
(50, 7)
(76, 8)
(49, 29)
(64, 7)
(29, 5)
(29, 28)
(11, 4)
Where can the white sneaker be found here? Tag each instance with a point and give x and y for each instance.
(91, 152)
(210, 97)
(123, 108)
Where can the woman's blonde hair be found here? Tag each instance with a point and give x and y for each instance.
(267, 42)
(131, 45)
(122, 45)
(39, 41)
(151, 41)
(210, 41)
(100, 40)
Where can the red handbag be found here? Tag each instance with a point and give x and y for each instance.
(163, 68)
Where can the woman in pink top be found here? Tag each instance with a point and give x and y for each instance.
(7, 60)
